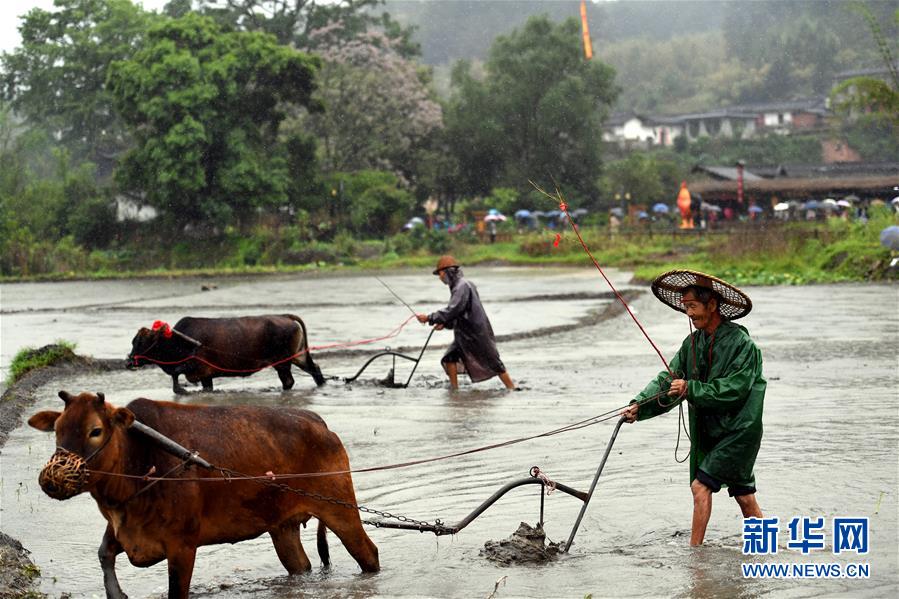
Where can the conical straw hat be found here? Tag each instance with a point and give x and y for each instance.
(669, 287)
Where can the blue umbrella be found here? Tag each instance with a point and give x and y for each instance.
(660, 208)
(812, 205)
(538, 213)
(493, 211)
(889, 237)
(755, 208)
(642, 214)
(523, 214)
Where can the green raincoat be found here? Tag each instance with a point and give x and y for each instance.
(725, 401)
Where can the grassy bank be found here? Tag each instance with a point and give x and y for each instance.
(29, 358)
(779, 253)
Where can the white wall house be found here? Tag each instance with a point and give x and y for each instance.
(628, 129)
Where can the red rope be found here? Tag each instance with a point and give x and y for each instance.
(564, 208)
(389, 335)
(611, 414)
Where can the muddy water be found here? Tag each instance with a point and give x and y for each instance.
(831, 445)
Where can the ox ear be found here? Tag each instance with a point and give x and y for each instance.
(65, 396)
(44, 421)
(123, 416)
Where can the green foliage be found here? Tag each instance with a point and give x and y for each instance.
(536, 115)
(56, 78)
(874, 136)
(293, 22)
(639, 175)
(204, 106)
(381, 209)
(29, 358)
(771, 149)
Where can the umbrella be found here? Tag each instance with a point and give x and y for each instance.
(617, 212)
(522, 214)
(895, 200)
(493, 211)
(579, 212)
(538, 213)
(889, 237)
(416, 220)
(781, 206)
(642, 214)
(660, 208)
(852, 198)
(552, 214)
(494, 217)
(829, 203)
(755, 208)
(709, 207)
(812, 205)
(844, 203)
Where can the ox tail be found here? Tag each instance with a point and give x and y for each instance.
(305, 361)
(321, 540)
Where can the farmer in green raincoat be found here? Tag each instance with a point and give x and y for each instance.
(718, 372)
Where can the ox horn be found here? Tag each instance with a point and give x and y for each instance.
(65, 396)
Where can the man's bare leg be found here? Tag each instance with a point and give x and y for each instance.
(452, 371)
(702, 511)
(507, 380)
(749, 506)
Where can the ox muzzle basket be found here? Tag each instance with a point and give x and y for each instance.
(64, 475)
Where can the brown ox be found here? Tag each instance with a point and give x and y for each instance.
(169, 520)
(205, 348)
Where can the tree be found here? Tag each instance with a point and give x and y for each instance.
(638, 175)
(205, 107)
(293, 21)
(870, 94)
(378, 108)
(542, 106)
(57, 78)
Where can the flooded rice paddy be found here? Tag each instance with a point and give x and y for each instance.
(831, 445)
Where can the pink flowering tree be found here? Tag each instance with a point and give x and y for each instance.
(378, 110)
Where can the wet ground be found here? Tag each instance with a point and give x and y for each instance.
(831, 444)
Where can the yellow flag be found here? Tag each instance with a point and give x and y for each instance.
(588, 47)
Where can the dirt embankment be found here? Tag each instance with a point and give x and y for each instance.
(19, 577)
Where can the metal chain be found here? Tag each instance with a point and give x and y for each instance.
(317, 496)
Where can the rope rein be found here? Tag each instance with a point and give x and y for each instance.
(393, 333)
(563, 206)
(605, 416)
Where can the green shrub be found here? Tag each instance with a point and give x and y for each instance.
(29, 358)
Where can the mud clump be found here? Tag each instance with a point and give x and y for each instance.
(527, 545)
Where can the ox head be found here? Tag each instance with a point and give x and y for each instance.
(161, 343)
(145, 344)
(84, 430)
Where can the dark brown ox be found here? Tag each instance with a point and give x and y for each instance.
(169, 520)
(205, 348)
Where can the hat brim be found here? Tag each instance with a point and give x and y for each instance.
(437, 272)
(669, 288)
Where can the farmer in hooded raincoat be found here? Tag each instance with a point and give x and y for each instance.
(473, 350)
(718, 372)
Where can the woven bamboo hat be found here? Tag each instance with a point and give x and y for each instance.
(669, 287)
(444, 263)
